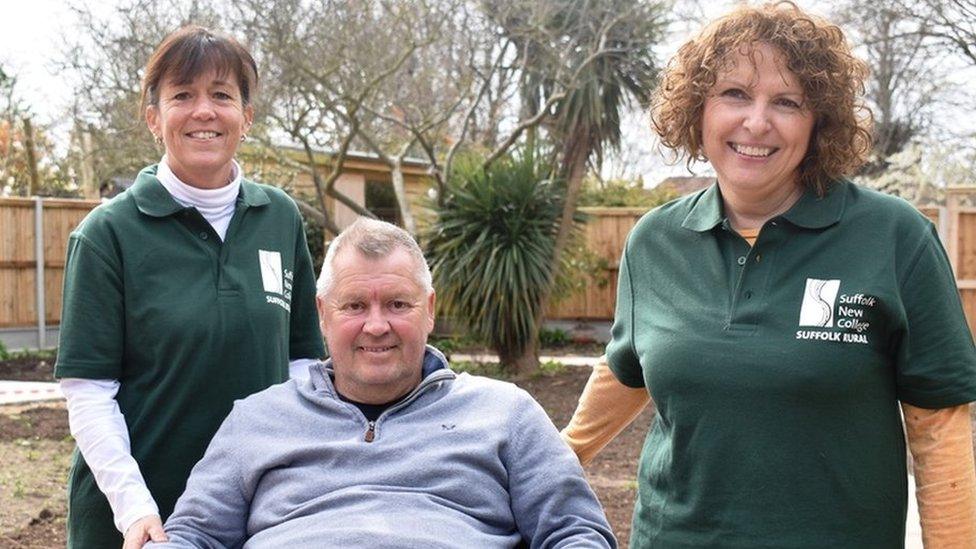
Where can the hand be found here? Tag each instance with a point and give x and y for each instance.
(145, 529)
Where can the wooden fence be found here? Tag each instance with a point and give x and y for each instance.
(605, 233)
(23, 256)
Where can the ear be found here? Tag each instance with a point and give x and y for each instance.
(320, 306)
(431, 301)
(248, 117)
(152, 120)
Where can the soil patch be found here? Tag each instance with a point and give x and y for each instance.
(28, 367)
(41, 422)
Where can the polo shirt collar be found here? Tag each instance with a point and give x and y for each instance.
(810, 211)
(816, 212)
(707, 212)
(150, 196)
(153, 199)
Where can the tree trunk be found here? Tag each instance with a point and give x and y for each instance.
(35, 180)
(525, 363)
(400, 190)
(577, 152)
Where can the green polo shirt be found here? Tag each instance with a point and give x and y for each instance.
(185, 322)
(777, 369)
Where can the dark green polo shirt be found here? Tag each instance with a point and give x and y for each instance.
(187, 323)
(777, 369)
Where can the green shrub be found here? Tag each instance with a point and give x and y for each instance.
(619, 193)
(553, 338)
(490, 248)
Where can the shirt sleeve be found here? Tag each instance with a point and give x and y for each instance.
(941, 443)
(621, 355)
(552, 503)
(99, 429)
(305, 339)
(92, 331)
(935, 357)
(606, 407)
(213, 510)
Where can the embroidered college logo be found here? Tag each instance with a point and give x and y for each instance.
(271, 274)
(818, 303)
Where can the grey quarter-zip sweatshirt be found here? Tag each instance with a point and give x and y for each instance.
(462, 461)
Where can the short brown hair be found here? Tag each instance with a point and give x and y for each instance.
(814, 50)
(193, 50)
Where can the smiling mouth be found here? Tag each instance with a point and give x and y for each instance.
(753, 151)
(382, 349)
(203, 135)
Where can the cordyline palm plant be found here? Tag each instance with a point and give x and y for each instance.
(490, 249)
(595, 57)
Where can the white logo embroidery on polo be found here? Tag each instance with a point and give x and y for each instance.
(271, 274)
(818, 303)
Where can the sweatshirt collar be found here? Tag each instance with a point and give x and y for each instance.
(434, 363)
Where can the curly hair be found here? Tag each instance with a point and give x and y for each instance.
(814, 50)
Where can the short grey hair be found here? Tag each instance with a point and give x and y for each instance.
(375, 239)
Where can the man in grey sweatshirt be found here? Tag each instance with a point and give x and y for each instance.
(383, 445)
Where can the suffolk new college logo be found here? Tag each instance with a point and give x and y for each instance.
(846, 315)
(818, 303)
(276, 281)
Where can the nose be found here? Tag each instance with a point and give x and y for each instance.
(203, 109)
(376, 323)
(757, 119)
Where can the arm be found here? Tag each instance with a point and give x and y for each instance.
(945, 476)
(606, 407)
(552, 503)
(99, 429)
(213, 510)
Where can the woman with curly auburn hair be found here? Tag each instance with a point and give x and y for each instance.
(778, 318)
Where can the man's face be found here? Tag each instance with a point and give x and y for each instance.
(376, 318)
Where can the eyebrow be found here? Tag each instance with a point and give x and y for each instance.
(740, 84)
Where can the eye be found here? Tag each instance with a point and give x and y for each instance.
(223, 96)
(788, 103)
(735, 93)
(181, 96)
(353, 306)
(399, 305)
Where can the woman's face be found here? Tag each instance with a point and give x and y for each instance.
(201, 124)
(756, 123)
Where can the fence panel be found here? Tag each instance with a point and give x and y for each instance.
(18, 260)
(606, 232)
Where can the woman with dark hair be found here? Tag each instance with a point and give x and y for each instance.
(778, 318)
(190, 290)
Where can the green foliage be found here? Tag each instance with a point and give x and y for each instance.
(487, 369)
(315, 235)
(550, 368)
(4, 354)
(553, 338)
(490, 248)
(619, 193)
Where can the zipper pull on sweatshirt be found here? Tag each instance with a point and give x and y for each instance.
(370, 432)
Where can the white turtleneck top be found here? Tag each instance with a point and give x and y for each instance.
(215, 205)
